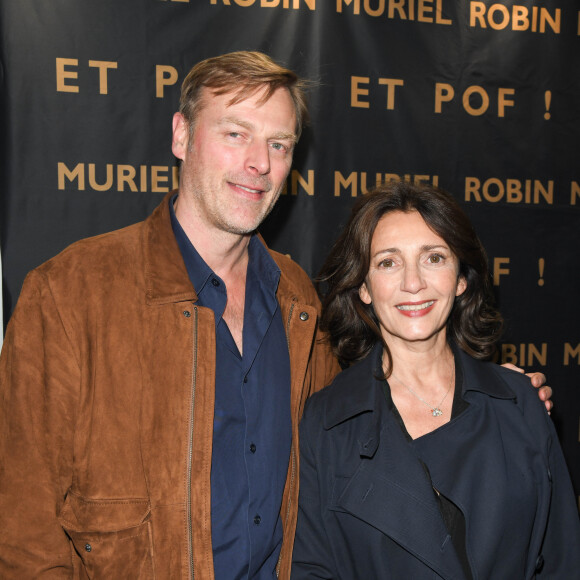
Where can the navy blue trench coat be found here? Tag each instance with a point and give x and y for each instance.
(367, 508)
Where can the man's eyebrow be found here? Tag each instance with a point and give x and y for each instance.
(291, 136)
(285, 136)
(235, 121)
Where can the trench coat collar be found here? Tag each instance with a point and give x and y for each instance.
(349, 402)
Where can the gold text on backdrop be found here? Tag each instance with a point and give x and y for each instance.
(521, 18)
(144, 178)
(357, 182)
(294, 4)
(428, 11)
(493, 190)
(67, 74)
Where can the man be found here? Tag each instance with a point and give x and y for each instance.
(152, 379)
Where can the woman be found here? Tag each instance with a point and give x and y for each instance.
(421, 460)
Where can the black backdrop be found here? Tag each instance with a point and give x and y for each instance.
(479, 97)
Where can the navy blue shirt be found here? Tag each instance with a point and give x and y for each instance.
(252, 423)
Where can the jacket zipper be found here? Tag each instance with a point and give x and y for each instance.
(292, 450)
(190, 448)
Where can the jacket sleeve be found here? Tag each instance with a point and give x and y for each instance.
(39, 384)
(312, 556)
(326, 362)
(560, 554)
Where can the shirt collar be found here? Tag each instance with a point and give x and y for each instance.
(261, 265)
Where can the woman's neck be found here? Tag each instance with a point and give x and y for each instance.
(422, 383)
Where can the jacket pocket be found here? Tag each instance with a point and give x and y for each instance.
(112, 537)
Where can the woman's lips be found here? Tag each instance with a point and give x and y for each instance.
(416, 308)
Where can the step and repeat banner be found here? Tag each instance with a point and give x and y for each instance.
(479, 97)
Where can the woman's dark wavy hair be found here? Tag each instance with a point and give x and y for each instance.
(352, 326)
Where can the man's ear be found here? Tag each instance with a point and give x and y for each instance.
(364, 294)
(180, 139)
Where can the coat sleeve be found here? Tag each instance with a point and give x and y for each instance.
(560, 554)
(312, 556)
(39, 384)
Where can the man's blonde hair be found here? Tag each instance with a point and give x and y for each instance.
(242, 73)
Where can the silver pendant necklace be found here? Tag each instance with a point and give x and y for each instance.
(435, 411)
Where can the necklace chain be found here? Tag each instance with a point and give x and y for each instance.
(435, 411)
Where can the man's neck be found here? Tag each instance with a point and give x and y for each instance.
(224, 252)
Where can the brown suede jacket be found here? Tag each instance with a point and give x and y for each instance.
(106, 411)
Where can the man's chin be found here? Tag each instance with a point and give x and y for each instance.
(246, 226)
(242, 229)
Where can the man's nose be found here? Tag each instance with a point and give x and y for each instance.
(258, 159)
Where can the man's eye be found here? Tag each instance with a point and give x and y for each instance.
(233, 134)
(278, 146)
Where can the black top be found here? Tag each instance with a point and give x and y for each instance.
(451, 514)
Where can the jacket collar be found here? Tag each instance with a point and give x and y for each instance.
(166, 276)
(349, 401)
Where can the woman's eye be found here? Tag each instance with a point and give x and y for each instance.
(436, 259)
(386, 263)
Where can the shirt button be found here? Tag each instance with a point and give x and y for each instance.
(88, 547)
(304, 316)
(253, 448)
(246, 379)
(186, 313)
(257, 520)
(215, 282)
